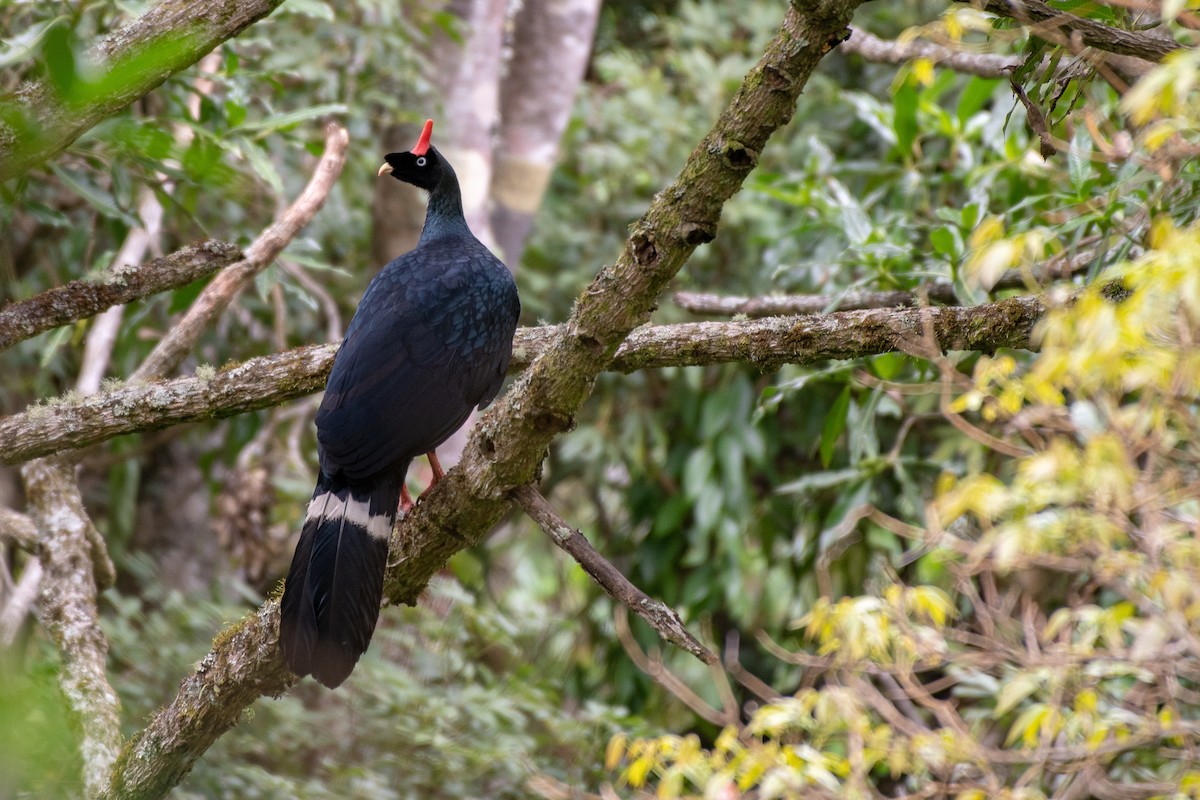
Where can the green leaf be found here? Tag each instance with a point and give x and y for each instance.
(945, 241)
(23, 46)
(58, 53)
(835, 423)
(261, 165)
(905, 121)
(1079, 162)
(100, 200)
(278, 121)
(975, 95)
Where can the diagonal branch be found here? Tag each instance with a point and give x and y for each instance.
(768, 343)
(657, 614)
(36, 122)
(509, 443)
(78, 299)
(174, 347)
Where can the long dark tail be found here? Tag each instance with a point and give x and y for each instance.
(331, 597)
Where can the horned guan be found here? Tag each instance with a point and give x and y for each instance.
(430, 342)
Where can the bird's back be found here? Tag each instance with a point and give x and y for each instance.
(431, 340)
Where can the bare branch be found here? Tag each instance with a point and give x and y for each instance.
(508, 445)
(767, 343)
(67, 609)
(1038, 14)
(657, 614)
(884, 51)
(78, 299)
(174, 34)
(174, 347)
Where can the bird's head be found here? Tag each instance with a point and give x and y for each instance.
(421, 166)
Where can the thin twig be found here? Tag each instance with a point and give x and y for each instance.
(657, 614)
(654, 667)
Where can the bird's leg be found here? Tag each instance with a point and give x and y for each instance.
(406, 501)
(436, 466)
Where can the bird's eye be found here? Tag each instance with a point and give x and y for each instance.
(421, 161)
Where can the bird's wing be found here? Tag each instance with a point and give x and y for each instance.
(421, 352)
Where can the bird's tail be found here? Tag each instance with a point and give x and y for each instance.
(331, 597)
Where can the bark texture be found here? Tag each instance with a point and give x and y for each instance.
(124, 283)
(506, 450)
(35, 123)
(270, 380)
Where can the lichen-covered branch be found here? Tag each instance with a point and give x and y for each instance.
(254, 384)
(1047, 20)
(658, 615)
(67, 609)
(242, 666)
(270, 380)
(37, 122)
(174, 347)
(79, 299)
(509, 443)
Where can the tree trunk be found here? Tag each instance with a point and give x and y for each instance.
(551, 47)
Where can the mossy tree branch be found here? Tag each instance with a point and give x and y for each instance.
(37, 121)
(508, 446)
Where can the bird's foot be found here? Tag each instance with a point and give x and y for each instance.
(406, 501)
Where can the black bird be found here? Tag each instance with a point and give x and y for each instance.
(431, 341)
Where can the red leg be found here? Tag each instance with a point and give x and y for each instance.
(436, 466)
(406, 501)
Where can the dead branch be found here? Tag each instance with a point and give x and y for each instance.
(122, 284)
(174, 347)
(67, 610)
(657, 614)
(767, 343)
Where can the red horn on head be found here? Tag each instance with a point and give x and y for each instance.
(423, 143)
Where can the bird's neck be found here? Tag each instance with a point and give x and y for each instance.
(444, 214)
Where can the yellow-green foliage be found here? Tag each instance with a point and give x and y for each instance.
(1100, 491)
